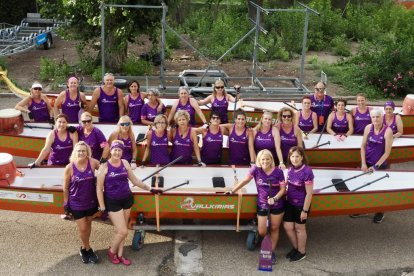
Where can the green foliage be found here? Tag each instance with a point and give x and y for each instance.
(3, 63)
(97, 74)
(172, 41)
(55, 71)
(340, 46)
(136, 67)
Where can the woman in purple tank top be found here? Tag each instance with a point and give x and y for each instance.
(266, 136)
(79, 195)
(115, 197)
(152, 108)
(157, 143)
(290, 134)
(306, 119)
(360, 114)
(241, 149)
(392, 120)
(184, 140)
(340, 124)
(59, 143)
(124, 133)
(188, 104)
(37, 105)
(71, 101)
(219, 100)
(298, 202)
(265, 172)
(110, 100)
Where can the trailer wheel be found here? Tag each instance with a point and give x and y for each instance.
(138, 240)
(48, 42)
(252, 240)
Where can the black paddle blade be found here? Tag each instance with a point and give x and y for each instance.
(160, 181)
(340, 185)
(265, 258)
(218, 182)
(140, 136)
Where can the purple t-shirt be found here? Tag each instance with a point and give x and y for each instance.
(60, 150)
(108, 107)
(340, 126)
(116, 184)
(159, 149)
(71, 107)
(322, 108)
(182, 146)
(265, 141)
(262, 179)
(212, 147)
(82, 189)
(39, 111)
(375, 146)
(305, 124)
(191, 111)
(221, 108)
(287, 140)
(149, 113)
(94, 140)
(134, 108)
(361, 120)
(239, 148)
(297, 180)
(393, 124)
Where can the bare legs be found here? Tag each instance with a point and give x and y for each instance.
(297, 235)
(85, 228)
(120, 221)
(275, 221)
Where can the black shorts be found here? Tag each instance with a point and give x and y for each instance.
(78, 214)
(292, 213)
(263, 212)
(115, 205)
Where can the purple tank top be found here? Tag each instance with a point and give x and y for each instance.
(71, 108)
(127, 152)
(108, 107)
(116, 184)
(322, 108)
(297, 179)
(39, 111)
(187, 107)
(149, 113)
(82, 189)
(393, 124)
(261, 179)
(361, 120)
(134, 108)
(182, 146)
(375, 146)
(340, 126)
(94, 140)
(265, 141)
(287, 140)
(305, 124)
(221, 108)
(60, 150)
(159, 149)
(239, 148)
(212, 147)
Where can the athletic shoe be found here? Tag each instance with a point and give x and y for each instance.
(298, 256)
(378, 217)
(93, 258)
(291, 253)
(358, 215)
(84, 255)
(124, 260)
(113, 257)
(273, 258)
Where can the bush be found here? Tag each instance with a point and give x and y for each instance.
(55, 71)
(340, 46)
(173, 41)
(136, 67)
(97, 74)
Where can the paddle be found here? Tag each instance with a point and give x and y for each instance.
(157, 202)
(291, 106)
(322, 131)
(39, 127)
(239, 198)
(162, 168)
(176, 186)
(373, 181)
(342, 181)
(265, 259)
(237, 88)
(140, 140)
(324, 144)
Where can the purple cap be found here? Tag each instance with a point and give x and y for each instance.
(116, 144)
(389, 103)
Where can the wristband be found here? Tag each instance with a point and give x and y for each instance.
(101, 209)
(281, 163)
(305, 211)
(133, 161)
(376, 167)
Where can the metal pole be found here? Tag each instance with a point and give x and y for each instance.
(163, 23)
(103, 39)
(302, 60)
(256, 37)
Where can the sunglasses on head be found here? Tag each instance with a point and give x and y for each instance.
(219, 87)
(286, 116)
(87, 121)
(125, 124)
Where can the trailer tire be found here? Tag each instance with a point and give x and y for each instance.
(252, 240)
(48, 42)
(138, 240)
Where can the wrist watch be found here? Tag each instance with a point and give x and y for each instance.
(305, 211)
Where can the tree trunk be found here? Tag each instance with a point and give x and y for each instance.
(115, 52)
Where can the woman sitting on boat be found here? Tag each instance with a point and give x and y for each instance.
(340, 124)
(94, 137)
(212, 136)
(59, 143)
(306, 119)
(219, 101)
(361, 115)
(298, 202)
(37, 105)
(290, 134)
(115, 197)
(184, 140)
(79, 195)
(263, 173)
(376, 148)
(266, 136)
(188, 104)
(71, 101)
(241, 149)
(157, 143)
(125, 134)
(152, 108)
(392, 120)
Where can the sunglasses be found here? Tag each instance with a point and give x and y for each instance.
(37, 88)
(124, 124)
(318, 89)
(286, 116)
(219, 87)
(86, 121)
(215, 118)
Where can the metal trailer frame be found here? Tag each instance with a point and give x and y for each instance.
(210, 73)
